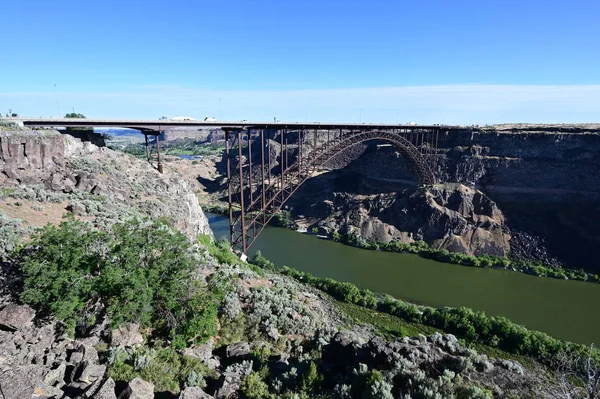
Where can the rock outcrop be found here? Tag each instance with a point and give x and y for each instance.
(43, 361)
(451, 216)
(79, 171)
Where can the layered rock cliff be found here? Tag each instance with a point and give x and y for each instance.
(544, 180)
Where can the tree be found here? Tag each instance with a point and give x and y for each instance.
(85, 133)
(74, 115)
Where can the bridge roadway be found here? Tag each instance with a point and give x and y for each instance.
(159, 125)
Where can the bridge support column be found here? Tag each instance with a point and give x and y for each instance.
(159, 165)
(147, 151)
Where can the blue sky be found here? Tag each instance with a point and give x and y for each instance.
(328, 60)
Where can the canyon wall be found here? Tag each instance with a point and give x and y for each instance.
(545, 181)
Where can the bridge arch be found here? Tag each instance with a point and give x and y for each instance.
(420, 164)
(260, 200)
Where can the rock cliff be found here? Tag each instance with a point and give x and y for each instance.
(451, 216)
(544, 179)
(92, 182)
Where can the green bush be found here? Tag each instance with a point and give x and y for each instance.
(259, 260)
(220, 250)
(166, 368)
(139, 272)
(311, 379)
(253, 387)
(283, 219)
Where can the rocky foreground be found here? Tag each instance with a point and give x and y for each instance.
(275, 337)
(39, 362)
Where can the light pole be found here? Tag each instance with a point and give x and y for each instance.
(56, 96)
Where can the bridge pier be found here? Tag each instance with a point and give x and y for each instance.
(146, 133)
(159, 164)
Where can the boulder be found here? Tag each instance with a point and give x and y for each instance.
(342, 349)
(203, 352)
(381, 353)
(45, 391)
(90, 372)
(138, 389)
(56, 376)
(230, 381)
(22, 382)
(77, 208)
(238, 349)
(85, 181)
(126, 335)
(273, 333)
(16, 317)
(194, 393)
(106, 391)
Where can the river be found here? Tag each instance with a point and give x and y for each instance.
(563, 309)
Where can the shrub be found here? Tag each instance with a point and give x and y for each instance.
(254, 387)
(167, 369)
(220, 250)
(473, 392)
(259, 260)
(11, 233)
(311, 379)
(140, 272)
(283, 219)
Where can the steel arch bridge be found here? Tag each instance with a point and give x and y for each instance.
(256, 192)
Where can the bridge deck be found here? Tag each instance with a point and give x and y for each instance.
(166, 124)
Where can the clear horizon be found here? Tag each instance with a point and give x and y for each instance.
(327, 61)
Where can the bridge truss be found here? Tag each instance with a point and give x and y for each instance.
(265, 166)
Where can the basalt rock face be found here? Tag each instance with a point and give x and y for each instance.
(451, 216)
(544, 179)
(460, 219)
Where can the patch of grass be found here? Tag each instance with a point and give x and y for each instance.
(219, 250)
(387, 325)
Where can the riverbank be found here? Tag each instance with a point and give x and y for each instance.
(422, 249)
(472, 326)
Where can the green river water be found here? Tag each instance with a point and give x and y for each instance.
(563, 309)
